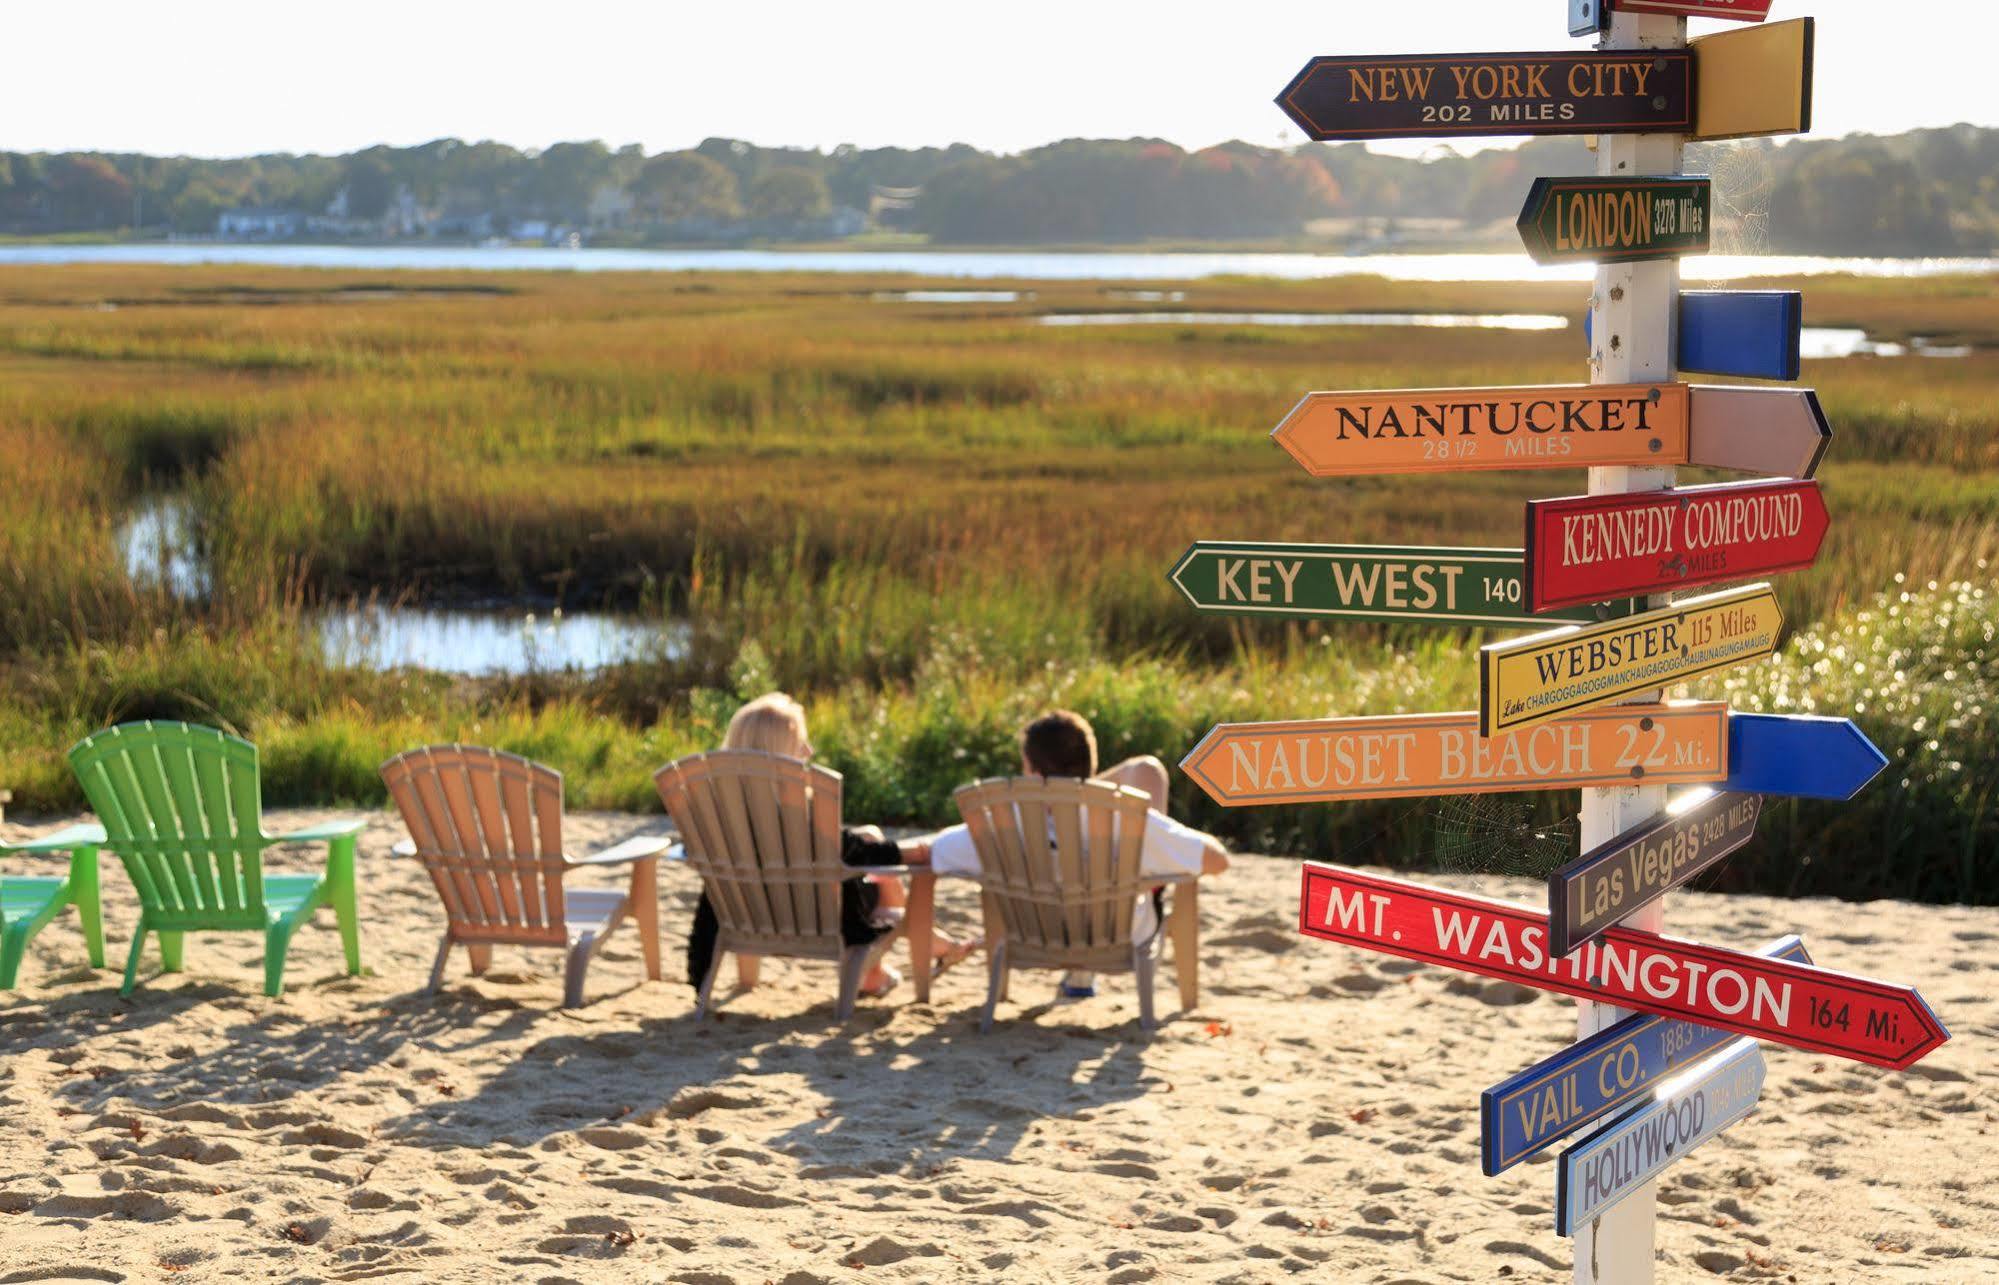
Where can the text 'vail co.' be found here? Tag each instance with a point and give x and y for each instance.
(1580, 705)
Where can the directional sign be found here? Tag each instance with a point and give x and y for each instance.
(1753, 333)
(1796, 1004)
(1439, 95)
(1587, 548)
(1614, 220)
(1609, 883)
(1364, 582)
(1422, 755)
(1451, 430)
(1778, 432)
(1524, 681)
(1596, 1075)
(1804, 756)
(1684, 1112)
(1754, 80)
(1587, 17)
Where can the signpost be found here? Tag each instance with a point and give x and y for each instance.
(1778, 432)
(1684, 1112)
(1578, 220)
(1603, 887)
(1804, 756)
(1753, 80)
(1587, 17)
(1463, 429)
(1753, 333)
(1568, 1091)
(1418, 755)
(1588, 548)
(1363, 582)
(1800, 1005)
(1529, 680)
(1443, 95)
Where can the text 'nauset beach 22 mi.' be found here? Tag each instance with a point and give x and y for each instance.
(1667, 1054)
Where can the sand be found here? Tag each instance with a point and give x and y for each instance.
(1316, 1118)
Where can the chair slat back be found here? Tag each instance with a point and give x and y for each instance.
(488, 828)
(1059, 858)
(182, 807)
(763, 832)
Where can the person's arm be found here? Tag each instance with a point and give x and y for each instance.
(1214, 857)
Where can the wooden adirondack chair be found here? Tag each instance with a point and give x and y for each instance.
(1059, 863)
(28, 903)
(763, 832)
(182, 806)
(488, 827)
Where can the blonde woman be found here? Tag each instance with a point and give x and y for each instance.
(775, 724)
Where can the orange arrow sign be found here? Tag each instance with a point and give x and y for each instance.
(1416, 755)
(1459, 429)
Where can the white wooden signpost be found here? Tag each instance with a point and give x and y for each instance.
(1582, 705)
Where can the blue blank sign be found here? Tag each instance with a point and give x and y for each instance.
(1595, 1076)
(1753, 333)
(1806, 756)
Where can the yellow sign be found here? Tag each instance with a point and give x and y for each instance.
(1544, 676)
(1754, 80)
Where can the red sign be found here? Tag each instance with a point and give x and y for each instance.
(1739, 10)
(1772, 999)
(1592, 548)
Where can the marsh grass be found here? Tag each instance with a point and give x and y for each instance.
(930, 519)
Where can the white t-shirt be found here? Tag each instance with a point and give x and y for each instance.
(1170, 849)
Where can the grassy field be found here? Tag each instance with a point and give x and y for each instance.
(928, 518)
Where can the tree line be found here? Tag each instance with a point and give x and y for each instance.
(1933, 191)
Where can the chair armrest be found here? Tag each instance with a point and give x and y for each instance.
(338, 828)
(72, 836)
(637, 848)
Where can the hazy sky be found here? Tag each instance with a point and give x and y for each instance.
(225, 78)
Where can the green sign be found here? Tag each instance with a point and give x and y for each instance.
(1615, 220)
(1368, 582)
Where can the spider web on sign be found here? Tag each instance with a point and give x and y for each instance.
(1740, 196)
(1498, 834)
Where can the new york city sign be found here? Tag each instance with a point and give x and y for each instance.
(1529, 680)
(1587, 548)
(1614, 220)
(1422, 755)
(1800, 1005)
(1443, 95)
(1440, 586)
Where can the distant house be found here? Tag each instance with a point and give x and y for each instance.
(258, 223)
(611, 206)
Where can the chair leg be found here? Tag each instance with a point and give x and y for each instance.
(277, 948)
(853, 967)
(13, 945)
(920, 924)
(746, 971)
(340, 890)
(996, 973)
(1184, 922)
(481, 956)
(132, 957)
(644, 898)
(170, 951)
(1144, 966)
(89, 909)
(576, 968)
(708, 982)
(437, 967)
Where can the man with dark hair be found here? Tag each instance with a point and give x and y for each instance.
(1062, 743)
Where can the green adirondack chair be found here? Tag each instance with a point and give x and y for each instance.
(182, 808)
(29, 902)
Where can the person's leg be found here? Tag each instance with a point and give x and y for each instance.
(1144, 773)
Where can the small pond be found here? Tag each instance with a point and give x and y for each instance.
(161, 547)
(1437, 320)
(1823, 343)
